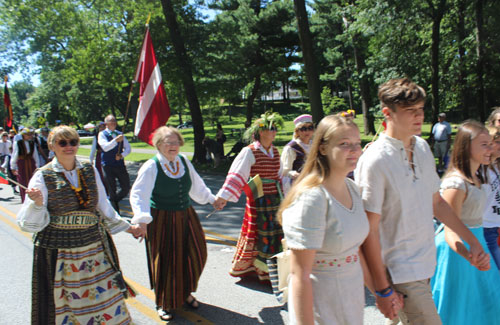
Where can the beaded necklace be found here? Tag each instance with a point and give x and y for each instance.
(176, 168)
(82, 191)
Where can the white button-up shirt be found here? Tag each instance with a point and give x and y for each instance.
(404, 198)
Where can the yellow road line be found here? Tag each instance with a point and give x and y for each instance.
(143, 309)
(220, 235)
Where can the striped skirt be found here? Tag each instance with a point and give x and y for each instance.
(25, 169)
(177, 253)
(260, 238)
(77, 285)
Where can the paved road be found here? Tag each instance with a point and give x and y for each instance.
(225, 300)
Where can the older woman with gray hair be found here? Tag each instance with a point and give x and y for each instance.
(175, 242)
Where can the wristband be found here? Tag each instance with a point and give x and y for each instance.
(384, 293)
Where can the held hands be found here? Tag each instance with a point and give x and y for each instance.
(139, 231)
(35, 195)
(391, 305)
(478, 257)
(219, 203)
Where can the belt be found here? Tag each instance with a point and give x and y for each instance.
(441, 140)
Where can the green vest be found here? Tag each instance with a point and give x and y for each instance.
(171, 194)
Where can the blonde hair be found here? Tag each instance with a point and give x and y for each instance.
(316, 167)
(62, 132)
(164, 131)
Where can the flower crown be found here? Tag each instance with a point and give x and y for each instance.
(265, 122)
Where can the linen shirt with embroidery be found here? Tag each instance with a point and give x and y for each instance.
(475, 199)
(404, 199)
(240, 172)
(491, 216)
(288, 157)
(140, 194)
(33, 218)
(15, 154)
(108, 145)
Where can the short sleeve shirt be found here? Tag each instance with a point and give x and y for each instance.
(441, 131)
(404, 198)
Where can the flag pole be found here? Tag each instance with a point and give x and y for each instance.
(2, 175)
(132, 87)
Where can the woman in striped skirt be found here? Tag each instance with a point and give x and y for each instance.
(175, 241)
(76, 274)
(261, 234)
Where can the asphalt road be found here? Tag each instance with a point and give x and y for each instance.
(225, 300)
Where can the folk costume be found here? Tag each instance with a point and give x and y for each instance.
(261, 233)
(317, 221)
(96, 152)
(462, 293)
(76, 273)
(25, 160)
(175, 241)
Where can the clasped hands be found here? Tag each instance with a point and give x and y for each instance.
(391, 305)
(139, 231)
(478, 257)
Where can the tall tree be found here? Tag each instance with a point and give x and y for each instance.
(306, 42)
(187, 79)
(480, 60)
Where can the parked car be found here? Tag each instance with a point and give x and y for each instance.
(185, 125)
(84, 133)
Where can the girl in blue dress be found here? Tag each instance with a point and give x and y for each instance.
(466, 291)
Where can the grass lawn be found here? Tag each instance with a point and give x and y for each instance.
(233, 129)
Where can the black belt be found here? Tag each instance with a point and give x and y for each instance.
(441, 140)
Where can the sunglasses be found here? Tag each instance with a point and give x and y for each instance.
(64, 143)
(307, 128)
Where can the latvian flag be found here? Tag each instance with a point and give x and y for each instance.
(153, 110)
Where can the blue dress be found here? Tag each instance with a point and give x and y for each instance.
(462, 293)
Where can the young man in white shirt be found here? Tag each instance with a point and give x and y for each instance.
(400, 191)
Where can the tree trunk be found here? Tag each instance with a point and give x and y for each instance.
(437, 16)
(480, 60)
(306, 43)
(187, 80)
(348, 82)
(462, 77)
(364, 86)
(251, 99)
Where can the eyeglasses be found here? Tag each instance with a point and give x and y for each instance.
(306, 128)
(172, 143)
(63, 143)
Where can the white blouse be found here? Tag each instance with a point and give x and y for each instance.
(33, 218)
(289, 155)
(240, 172)
(15, 154)
(141, 192)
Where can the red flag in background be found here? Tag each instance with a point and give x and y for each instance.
(8, 105)
(153, 110)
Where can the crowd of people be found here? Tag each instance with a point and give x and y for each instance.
(427, 248)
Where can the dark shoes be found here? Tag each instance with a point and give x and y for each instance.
(192, 302)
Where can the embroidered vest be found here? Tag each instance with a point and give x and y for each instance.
(266, 167)
(171, 194)
(23, 154)
(109, 157)
(299, 161)
(62, 199)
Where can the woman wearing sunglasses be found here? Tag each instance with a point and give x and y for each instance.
(295, 152)
(76, 275)
(261, 234)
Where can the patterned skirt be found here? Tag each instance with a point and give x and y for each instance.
(177, 253)
(260, 238)
(76, 275)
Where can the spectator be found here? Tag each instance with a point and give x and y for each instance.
(441, 139)
(115, 148)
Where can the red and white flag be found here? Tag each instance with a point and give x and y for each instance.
(153, 110)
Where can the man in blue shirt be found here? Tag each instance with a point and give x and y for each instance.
(441, 135)
(114, 148)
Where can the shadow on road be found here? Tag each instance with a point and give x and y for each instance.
(253, 283)
(269, 315)
(224, 316)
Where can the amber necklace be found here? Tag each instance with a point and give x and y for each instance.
(81, 191)
(177, 169)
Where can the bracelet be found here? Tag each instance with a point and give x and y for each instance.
(384, 293)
